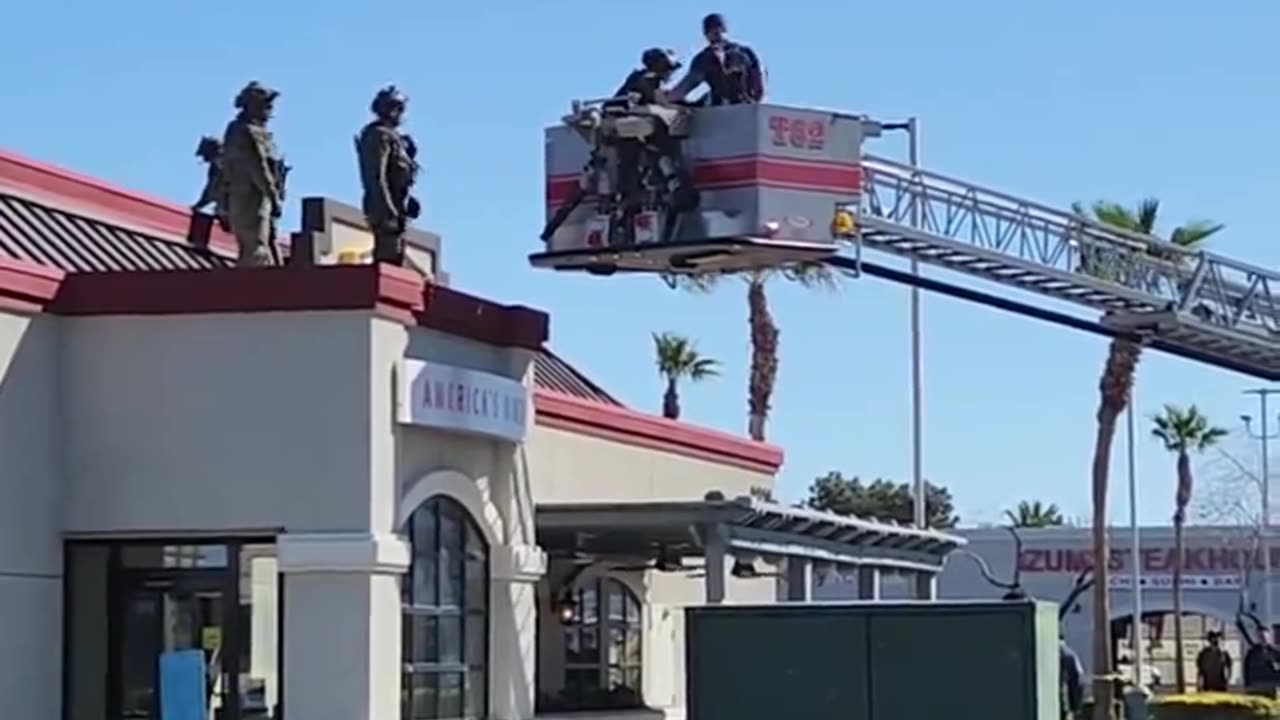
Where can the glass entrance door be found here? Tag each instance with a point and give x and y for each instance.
(165, 613)
(131, 602)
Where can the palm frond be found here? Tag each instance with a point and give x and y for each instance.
(1115, 215)
(1195, 233)
(1211, 437)
(1185, 429)
(812, 275)
(703, 368)
(700, 283)
(1147, 214)
(676, 356)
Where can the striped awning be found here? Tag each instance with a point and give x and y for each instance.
(46, 235)
(550, 372)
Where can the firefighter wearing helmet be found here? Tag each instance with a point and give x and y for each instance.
(388, 170)
(656, 68)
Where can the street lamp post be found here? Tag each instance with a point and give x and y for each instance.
(1264, 439)
(912, 128)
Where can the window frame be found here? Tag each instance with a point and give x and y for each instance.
(603, 625)
(470, 540)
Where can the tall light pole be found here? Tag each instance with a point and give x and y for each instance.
(1139, 628)
(917, 357)
(919, 492)
(1265, 522)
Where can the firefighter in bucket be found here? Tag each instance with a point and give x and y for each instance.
(636, 170)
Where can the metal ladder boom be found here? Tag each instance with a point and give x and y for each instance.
(1203, 300)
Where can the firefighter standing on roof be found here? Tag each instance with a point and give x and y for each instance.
(253, 174)
(388, 169)
(731, 71)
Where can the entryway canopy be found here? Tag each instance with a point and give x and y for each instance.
(745, 528)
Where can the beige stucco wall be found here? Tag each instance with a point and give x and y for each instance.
(569, 467)
(30, 493)
(217, 422)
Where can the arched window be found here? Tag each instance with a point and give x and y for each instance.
(446, 615)
(602, 635)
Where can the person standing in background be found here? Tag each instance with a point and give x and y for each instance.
(1213, 665)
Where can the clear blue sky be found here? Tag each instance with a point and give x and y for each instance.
(1054, 101)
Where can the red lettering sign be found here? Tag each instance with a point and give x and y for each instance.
(797, 132)
(1153, 560)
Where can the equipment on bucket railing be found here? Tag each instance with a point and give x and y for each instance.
(636, 171)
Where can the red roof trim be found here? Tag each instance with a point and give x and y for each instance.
(566, 412)
(397, 293)
(26, 287)
(84, 193)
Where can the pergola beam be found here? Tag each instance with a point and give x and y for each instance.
(745, 526)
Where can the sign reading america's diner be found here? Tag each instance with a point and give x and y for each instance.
(463, 400)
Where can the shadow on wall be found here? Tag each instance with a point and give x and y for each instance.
(30, 523)
(514, 685)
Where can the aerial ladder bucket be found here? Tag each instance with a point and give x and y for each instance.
(774, 185)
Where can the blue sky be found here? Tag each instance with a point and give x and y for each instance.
(1052, 101)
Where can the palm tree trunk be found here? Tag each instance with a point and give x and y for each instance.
(1179, 653)
(1181, 499)
(764, 358)
(671, 400)
(1101, 552)
(1113, 389)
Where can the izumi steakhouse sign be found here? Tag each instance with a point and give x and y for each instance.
(1152, 560)
(458, 399)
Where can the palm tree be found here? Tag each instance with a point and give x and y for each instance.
(677, 359)
(1183, 431)
(1035, 514)
(1114, 389)
(764, 331)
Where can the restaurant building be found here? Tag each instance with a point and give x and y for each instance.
(1221, 567)
(335, 490)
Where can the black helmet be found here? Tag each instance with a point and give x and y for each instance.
(387, 98)
(659, 60)
(255, 92)
(714, 21)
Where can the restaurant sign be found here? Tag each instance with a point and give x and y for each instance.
(1151, 560)
(462, 400)
(1124, 581)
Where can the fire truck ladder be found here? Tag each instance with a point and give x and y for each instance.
(1192, 303)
